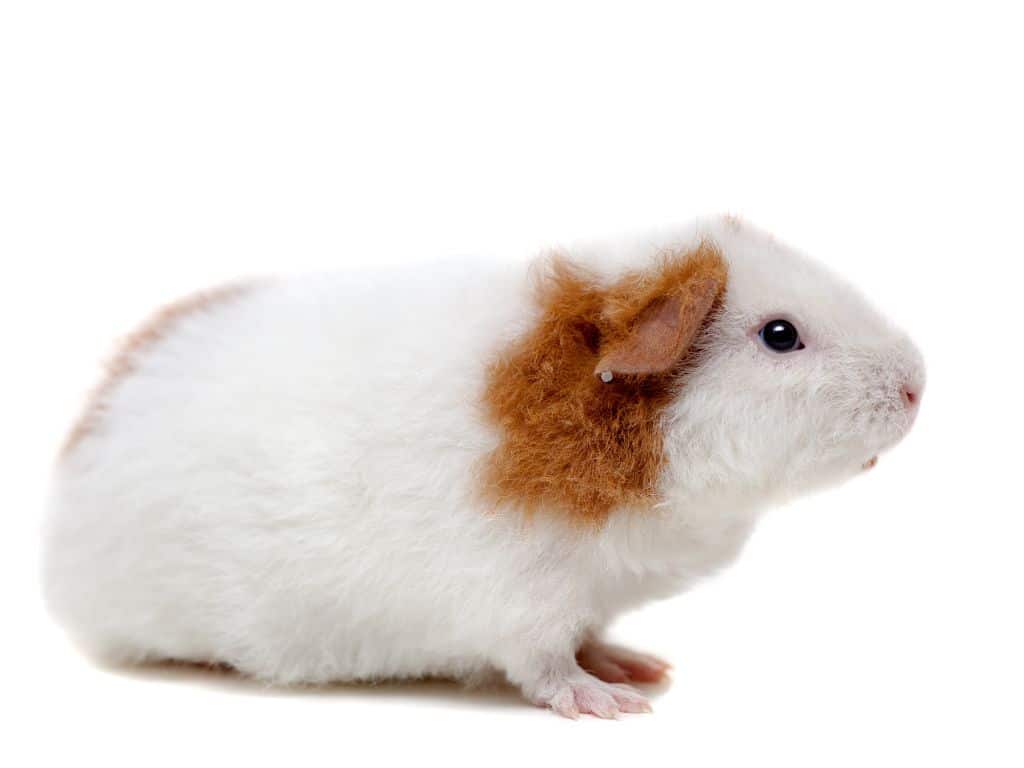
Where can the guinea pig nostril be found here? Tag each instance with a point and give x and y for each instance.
(910, 397)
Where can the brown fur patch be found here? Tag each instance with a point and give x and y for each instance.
(569, 440)
(126, 358)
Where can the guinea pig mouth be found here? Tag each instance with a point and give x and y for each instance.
(869, 463)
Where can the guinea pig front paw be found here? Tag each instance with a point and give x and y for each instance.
(615, 664)
(583, 694)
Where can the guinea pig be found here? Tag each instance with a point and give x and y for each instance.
(465, 469)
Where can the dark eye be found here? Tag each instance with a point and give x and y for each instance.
(781, 336)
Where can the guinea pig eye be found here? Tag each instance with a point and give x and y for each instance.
(781, 336)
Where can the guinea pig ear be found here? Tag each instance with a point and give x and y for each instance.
(662, 332)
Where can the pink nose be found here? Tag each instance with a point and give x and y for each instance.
(911, 397)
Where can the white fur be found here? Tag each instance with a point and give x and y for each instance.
(286, 483)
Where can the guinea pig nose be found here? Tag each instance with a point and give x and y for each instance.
(910, 396)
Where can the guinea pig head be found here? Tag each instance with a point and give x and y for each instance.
(800, 382)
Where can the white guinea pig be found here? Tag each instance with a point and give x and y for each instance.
(460, 470)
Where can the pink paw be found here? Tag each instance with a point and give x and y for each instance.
(584, 694)
(620, 665)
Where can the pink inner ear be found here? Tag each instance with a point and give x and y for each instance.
(663, 333)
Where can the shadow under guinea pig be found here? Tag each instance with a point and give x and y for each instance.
(494, 692)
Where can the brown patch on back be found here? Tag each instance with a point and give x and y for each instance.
(125, 361)
(570, 440)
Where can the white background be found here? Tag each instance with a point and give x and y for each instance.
(147, 149)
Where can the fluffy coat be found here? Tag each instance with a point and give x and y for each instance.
(303, 479)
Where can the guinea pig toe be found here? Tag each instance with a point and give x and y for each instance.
(563, 702)
(870, 463)
(630, 700)
(595, 701)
